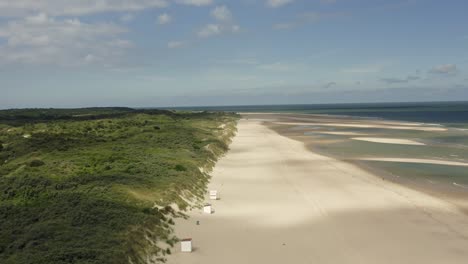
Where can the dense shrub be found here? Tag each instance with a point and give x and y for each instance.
(179, 167)
(82, 189)
(36, 163)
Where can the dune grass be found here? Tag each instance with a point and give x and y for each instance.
(101, 185)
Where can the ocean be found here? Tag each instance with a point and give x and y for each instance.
(427, 112)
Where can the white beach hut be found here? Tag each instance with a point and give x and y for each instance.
(186, 245)
(207, 209)
(213, 195)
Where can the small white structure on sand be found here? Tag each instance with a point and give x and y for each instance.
(213, 195)
(186, 245)
(207, 209)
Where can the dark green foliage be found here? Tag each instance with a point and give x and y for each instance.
(36, 163)
(82, 188)
(179, 167)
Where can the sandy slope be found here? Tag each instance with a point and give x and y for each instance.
(281, 203)
(399, 141)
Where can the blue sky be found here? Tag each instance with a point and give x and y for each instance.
(75, 53)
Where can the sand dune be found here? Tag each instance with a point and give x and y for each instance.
(399, 141)
(363, 125)
(423, 161)
(281, 204)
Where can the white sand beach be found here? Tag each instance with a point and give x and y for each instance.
(281, 203)
(399, 141)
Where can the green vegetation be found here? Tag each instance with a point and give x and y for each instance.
(101, 185)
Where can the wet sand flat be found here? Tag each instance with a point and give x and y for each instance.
(281, 203)
(422, 161)
(366, 125)
(399, 141)
(342, 133)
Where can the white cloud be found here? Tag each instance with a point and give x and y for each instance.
(313, 16)
(121, 43)
(217, 29)
(239, 61)
(21, 8)
(221, 13)
(224, 24)
(11, 8)
(175, 44)
(306, 18)
(408, 79)
(43, 40)
(444, 69)
(363, 70)
(277, 66)
(40, 18)
(278, 3)
(235, 28)
(164, 19)
(281, 26)
(127, 18)
(195, 2)
(90, 58)
(210, 30)
(329, 85)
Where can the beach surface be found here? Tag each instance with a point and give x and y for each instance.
(422, 161)
(390, 141)
(383, 125)
(281, 203)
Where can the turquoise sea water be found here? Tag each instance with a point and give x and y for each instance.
(428, 112)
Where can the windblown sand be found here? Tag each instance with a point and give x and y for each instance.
(369, 125)
(390, 141)
(281, 203)
(422, 161)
